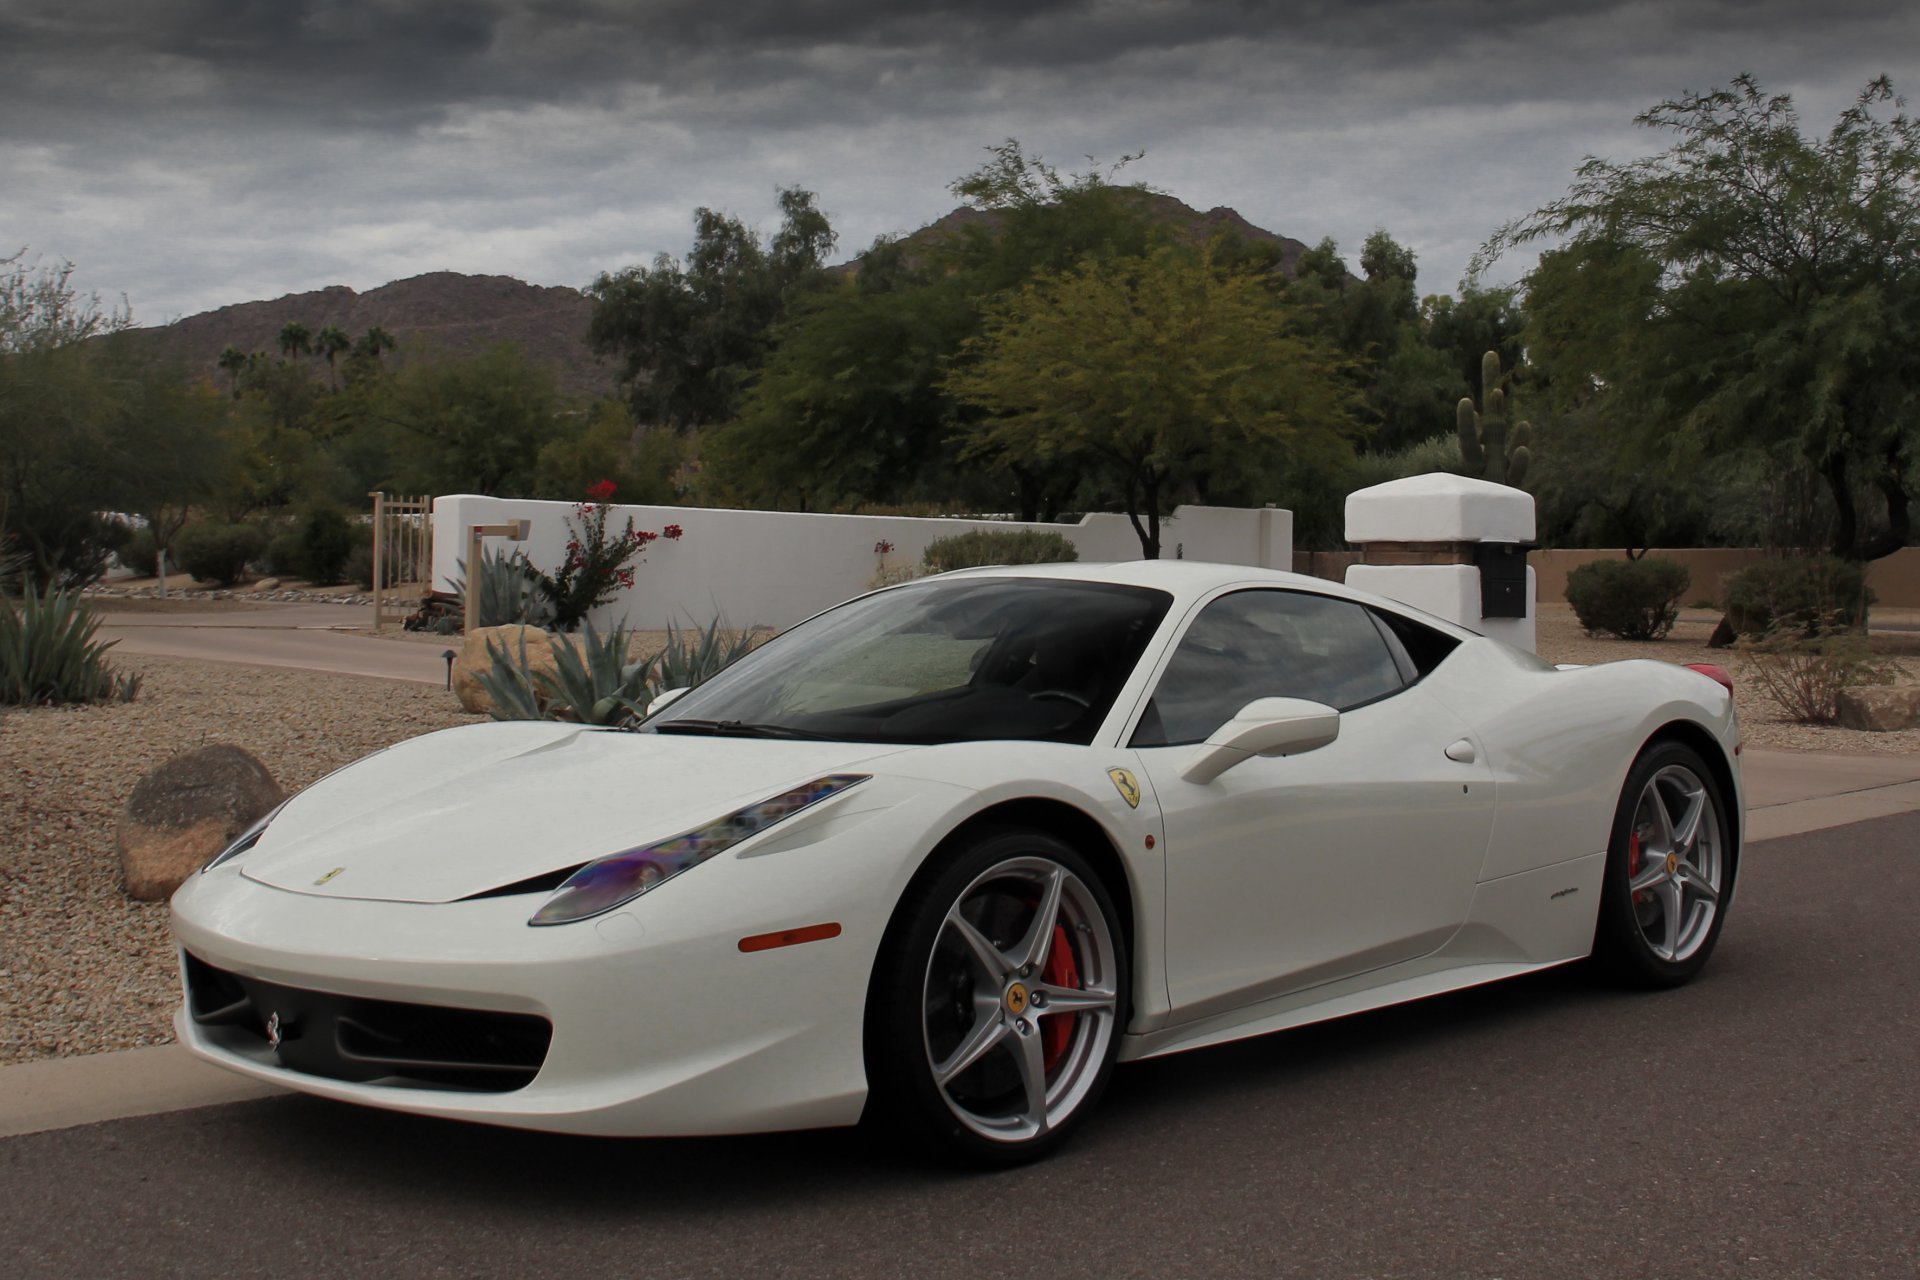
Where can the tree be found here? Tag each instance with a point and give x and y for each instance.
(233, 362)
(56, 421)
(470, 425)
(691, 334)
(1751, 286)
(295, 340)
(331, 344)
(1156, 369)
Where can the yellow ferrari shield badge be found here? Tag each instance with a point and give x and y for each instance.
(1127, 785)
(330, 875)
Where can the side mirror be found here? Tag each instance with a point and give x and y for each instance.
(1264, 727)
(666, 697)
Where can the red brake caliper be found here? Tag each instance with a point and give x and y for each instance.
(1056, 1031)
(1633, 864)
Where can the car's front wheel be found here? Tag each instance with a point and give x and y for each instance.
(999, 1000)
(1670, 868)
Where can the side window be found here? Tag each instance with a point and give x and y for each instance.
(1267, 644)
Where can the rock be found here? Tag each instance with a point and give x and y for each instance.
(1880, 708)
(267, 584)
(1724, 635)
(185, 812)
(473, 658)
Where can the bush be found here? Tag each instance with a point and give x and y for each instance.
(1630, 599)
(593, 684)
(48, 653)
(509, 589)
(326, 540)
(138, 551)
(994, 546)
(1807, 675)
(359, 567)
(283, 558)
(693, 656)
(1807, 595)
(218, 553)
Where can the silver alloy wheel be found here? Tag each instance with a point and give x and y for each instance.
(1675, 863)
(987, 997)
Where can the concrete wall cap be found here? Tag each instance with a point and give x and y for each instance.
(1440, 507)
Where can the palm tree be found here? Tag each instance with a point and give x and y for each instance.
(294, 339)
(332, 341)
(232, 361)
(375, 342)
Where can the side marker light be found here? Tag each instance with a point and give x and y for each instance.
(790, 937)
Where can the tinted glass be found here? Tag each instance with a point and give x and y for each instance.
(1034, 659)
(1266, 644)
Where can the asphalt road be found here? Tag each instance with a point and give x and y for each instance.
(1759, 1123)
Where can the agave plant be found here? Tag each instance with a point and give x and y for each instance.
(594, 684)
(509, 589)
(696, 654)
(49, 653)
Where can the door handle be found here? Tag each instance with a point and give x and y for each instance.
(1462, 751)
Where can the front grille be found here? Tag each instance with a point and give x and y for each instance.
(362, 1040)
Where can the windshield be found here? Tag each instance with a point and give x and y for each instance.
(1030, 659)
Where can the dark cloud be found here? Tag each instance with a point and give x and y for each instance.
(194, 152)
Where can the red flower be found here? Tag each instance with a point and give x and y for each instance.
(601, 490)
(671, 532)
(882, 547)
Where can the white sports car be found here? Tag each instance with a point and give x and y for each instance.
(943, 854)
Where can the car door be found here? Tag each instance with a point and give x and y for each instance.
(1284, 873)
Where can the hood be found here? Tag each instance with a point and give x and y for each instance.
(455, 813)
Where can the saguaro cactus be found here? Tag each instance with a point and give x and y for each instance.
(1490, 450)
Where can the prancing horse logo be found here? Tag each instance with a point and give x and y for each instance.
(1128, 787)
(273, 1032)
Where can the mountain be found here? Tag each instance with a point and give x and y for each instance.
(440, 311)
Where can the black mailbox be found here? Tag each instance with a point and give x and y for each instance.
(1503, 578)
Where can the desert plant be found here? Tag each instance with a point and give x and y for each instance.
(282, 557)
(326, 541)
(1630, 599)
(1807, 594)
(218, 553)
(694, 655)
(597, 565)
(593, 684)
(995, 546)
(1490, 450)
(1806, 674)
(509, 589)
(138, 551)
(49, 653)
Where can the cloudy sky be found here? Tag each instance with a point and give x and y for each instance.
(192, 153)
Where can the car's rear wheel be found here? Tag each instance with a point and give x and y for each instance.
(998, 1005)
(1670, 868)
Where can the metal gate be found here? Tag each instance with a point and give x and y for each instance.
(402, 553)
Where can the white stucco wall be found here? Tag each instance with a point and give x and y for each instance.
(775, 568)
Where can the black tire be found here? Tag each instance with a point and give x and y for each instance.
(1663, 899)
(936, 996)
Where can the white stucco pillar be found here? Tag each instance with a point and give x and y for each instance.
(1424, 541)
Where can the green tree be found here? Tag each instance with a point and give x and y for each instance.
(1750, 286)
(1156, 369)
(233, 363)
(690, 334)
(332, 343)
(474, 424)
(295, 339)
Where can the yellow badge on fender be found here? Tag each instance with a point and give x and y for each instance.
(1128, 787)
(330, 875)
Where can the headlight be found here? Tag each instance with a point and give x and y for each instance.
(247, 839)
(618, 878)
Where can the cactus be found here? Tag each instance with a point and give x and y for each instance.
(1485, 445)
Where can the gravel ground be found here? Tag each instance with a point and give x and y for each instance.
(82, 970)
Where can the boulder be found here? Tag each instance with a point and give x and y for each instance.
(186, 811)
(1880, 708)
(267, 584)
(473, 658)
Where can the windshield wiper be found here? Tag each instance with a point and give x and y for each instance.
(736, 729)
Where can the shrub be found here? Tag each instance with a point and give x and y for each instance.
(1806, 675)
(598, 565)
(1630, 599)
(1806, 595)
(48, 653)
(359, 567)
(283, 557)
(594, 684)
(994, 546)
(138, 551)
(218, 553)
(696, 655)
(326, 541)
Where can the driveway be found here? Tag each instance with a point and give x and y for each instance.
(290, 635)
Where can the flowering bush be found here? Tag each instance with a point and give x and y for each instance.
(598, 565)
